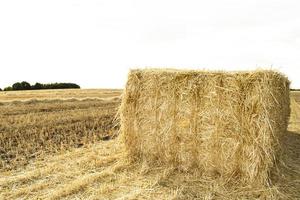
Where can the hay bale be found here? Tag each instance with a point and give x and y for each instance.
(222, 124)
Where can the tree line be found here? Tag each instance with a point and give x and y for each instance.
(39, 86)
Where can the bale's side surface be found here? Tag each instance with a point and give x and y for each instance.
(224, 124)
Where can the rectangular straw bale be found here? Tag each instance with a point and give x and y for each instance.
(225, 124)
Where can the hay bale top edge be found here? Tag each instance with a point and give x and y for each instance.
(206, 72)
(258, 74)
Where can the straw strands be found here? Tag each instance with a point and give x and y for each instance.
(222, 125)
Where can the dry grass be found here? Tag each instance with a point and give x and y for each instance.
(99, 171)
(31, 128)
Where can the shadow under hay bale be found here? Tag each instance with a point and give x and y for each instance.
(224, 125)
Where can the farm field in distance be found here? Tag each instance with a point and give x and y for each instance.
(63, 144)
(64, 94)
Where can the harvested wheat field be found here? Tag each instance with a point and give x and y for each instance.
(31, 127)
(104, 169)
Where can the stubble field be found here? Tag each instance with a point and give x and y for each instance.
(33, 123)
(63, 144)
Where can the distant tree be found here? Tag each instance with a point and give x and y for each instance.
(25, 85)
(0, 89)
(17, 86)
(21, 86)
(8, 88)
(37, 86)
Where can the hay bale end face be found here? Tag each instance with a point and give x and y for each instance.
(224, 124)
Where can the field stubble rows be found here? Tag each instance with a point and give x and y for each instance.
(30, 128)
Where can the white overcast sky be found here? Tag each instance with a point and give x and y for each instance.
(95, 43)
